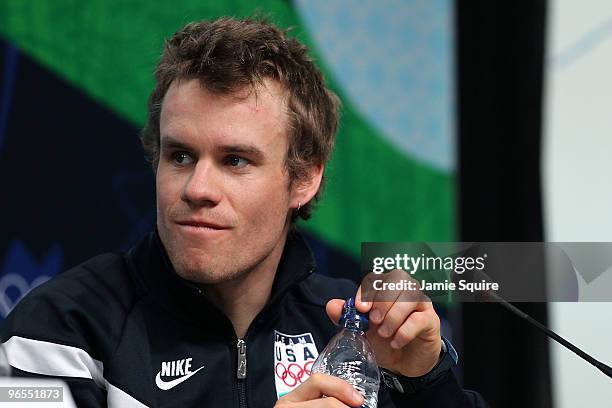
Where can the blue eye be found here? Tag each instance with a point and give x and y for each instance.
(236, 161)
(182, 158)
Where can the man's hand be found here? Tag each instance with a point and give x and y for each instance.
(405, 335)
(339, 393)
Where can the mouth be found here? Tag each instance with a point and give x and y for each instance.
(196, 225)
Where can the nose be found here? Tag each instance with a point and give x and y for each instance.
(203, 187)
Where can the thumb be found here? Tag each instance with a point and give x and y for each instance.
(334, 309)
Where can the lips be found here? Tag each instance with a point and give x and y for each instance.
(202, 224)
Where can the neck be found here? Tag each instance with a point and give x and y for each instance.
(242, 298)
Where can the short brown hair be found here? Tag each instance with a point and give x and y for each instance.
(228, 54)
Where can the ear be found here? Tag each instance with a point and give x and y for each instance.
(305, 189)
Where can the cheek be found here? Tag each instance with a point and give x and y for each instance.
(264, 201)
(168, 191)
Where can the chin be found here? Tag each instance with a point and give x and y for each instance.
(206, 274)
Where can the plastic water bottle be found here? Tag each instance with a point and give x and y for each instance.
(349, 356)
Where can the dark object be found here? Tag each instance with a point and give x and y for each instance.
(607, 370)
(500, 58)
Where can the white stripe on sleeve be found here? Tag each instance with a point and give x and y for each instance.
(46, 358)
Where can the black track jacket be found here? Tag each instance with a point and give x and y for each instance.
(124, 330)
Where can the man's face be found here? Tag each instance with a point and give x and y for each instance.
(223, 195)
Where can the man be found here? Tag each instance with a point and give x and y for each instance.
(219, 305)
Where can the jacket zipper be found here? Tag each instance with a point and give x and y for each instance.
(241, 357)
(241, 372)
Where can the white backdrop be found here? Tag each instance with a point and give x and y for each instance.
(577, 175)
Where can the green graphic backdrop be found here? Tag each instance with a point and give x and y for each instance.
(109, 48)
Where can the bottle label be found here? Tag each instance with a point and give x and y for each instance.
(294, 355)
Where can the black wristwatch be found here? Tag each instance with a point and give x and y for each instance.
(411, 385)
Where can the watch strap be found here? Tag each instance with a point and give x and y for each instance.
(410, 385)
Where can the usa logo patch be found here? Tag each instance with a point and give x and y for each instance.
(294, 355)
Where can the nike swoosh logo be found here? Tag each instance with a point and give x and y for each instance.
(166, 385)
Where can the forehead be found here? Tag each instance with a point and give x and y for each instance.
(258, 113)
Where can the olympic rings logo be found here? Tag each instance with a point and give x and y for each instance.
(293, 373)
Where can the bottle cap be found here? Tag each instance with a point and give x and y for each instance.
(353, 319)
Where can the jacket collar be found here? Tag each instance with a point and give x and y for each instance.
(154, 270)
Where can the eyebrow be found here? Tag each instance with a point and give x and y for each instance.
(169, 142)
(247, 149)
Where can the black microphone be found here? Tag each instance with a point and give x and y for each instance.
(607, 370)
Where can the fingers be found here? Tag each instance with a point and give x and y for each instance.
(363, 307)
(381, 301)
(334, 309)
(329, 402)
(391, 316)
(391, 307)
(393, 313)
(416, 324)
(319, 385)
